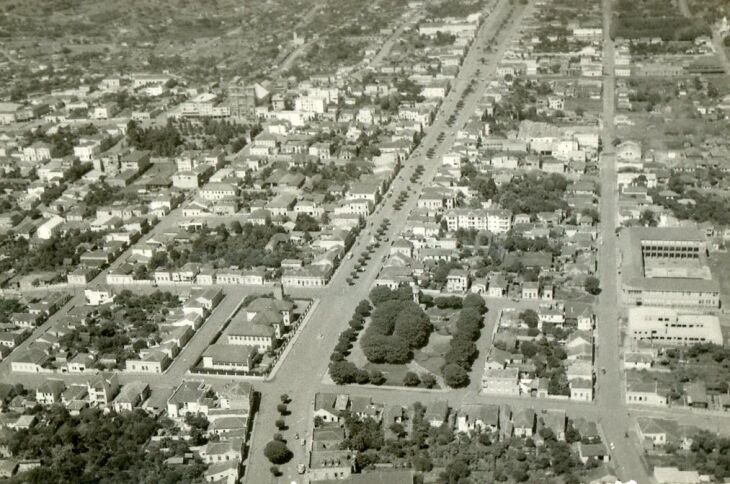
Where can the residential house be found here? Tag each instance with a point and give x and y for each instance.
(131, 396)
(50, 392)
(436, 413)
(328, 406)
(102, 389)
(478, 418)
(501, 381)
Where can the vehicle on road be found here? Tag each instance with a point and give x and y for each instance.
(301, 468)
(296, 436)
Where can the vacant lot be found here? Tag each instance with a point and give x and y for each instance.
(720, 266)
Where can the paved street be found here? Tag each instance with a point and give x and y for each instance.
(316, 342)
(385, 49)
(609, 397)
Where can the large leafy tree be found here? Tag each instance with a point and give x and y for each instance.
(98, 447)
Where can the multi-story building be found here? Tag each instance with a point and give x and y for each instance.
(311, 104)
(36, 152)
(493, 220)
(218, 191)
(673, 243)
(204, 106)
(668, 267)
(501, 381)
(102, 388)
(189, 398)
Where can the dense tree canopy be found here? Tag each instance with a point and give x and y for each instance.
(709, 454)
(306, 223)
(223, 249)
(534, 193)
(161, 141)
(132, 320)
(94, 447)
(455, 376)
(380, 348)
(396, 327)
(462, 347)
(705, 207)
(48, 255)
(413, 325)
(380, 294)
(650, 18)
(8, 307)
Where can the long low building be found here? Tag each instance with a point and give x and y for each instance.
(459, 29)
(673, 291)
(667, 326)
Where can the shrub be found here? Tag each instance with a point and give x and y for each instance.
(453, 302)
(362, 377)
(592, 285)
(411, 379)
(530, 318)
(428, 380)
(343, 347)
(455, 376)
(343, 372)
(377, 377)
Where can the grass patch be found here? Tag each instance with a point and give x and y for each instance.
(431, 356)
(393, 374)
(720, 267)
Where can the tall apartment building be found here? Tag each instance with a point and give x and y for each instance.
(497, 221)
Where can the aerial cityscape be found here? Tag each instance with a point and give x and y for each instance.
(369, 242)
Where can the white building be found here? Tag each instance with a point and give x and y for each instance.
(669, 327)
(218, 191)
(49, 228)
(87, 150)
(494, 220)
(310, 104)
(38, 151)
(98, 296)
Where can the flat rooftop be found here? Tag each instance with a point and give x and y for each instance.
(677, 268)
(668, 234)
